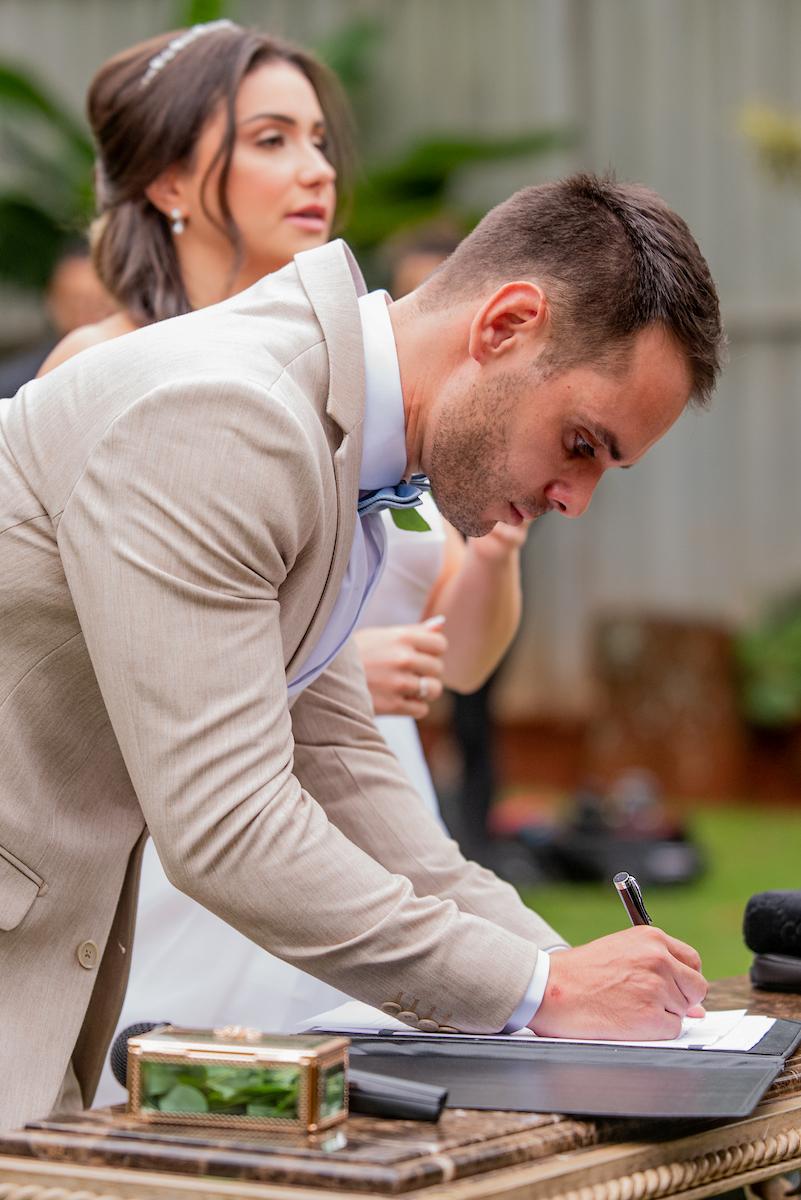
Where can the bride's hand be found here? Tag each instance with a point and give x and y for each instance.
(403, 665)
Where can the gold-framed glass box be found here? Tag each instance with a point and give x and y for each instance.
(238, 1078)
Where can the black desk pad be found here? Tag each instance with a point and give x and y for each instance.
(583, 1079)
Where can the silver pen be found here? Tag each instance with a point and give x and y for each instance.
(629, 891)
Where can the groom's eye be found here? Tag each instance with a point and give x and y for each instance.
(583, 448)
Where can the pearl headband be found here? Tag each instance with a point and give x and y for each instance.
(179, 43)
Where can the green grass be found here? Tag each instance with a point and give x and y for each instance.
(748, 850)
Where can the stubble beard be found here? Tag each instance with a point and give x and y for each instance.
(469, 456)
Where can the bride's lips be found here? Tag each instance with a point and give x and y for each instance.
(313, 218)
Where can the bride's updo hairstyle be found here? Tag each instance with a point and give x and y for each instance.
(147, 107)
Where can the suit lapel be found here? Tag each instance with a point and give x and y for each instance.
(333, 283)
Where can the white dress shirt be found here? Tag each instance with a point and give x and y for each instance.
(383, 464)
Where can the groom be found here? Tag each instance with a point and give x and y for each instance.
(181, 564)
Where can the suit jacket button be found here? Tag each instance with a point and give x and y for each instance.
(88, 955)
(391, 1009)
(409, 1017)
(427, 1025)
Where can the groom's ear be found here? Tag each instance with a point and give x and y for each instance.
(513, 317)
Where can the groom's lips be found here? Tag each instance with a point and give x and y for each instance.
(519, 514)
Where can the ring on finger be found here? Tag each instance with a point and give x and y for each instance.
(422, 688)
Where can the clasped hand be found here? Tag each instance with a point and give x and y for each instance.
(403, 665)
(634, 985)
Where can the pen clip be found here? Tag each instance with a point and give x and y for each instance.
(636, 895)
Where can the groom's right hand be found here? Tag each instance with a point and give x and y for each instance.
(634, 985)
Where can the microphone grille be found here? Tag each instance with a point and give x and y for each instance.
(118, 1057)
(772, 923)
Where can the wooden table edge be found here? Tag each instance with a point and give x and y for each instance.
(691, 1167)
(695, 1165)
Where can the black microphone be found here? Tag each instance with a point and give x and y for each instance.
(369, 1094)
(396, 1099)
(772, 923)
(772, 929)
(118, 1055)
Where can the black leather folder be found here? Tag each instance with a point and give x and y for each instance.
(582, 1079)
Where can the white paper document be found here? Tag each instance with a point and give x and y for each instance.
(731, 1029)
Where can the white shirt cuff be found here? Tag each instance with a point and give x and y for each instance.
(532, 998)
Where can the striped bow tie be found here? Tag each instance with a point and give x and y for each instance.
(401, 500)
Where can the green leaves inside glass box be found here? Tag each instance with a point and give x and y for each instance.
(332, 1091)
(233, 1091)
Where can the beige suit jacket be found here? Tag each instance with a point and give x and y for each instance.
(176, 513)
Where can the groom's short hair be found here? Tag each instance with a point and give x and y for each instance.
(612, 257)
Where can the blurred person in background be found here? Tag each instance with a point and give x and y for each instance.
(73, 297)
(274, 196)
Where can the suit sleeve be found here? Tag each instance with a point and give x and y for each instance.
(374, 804)
(178, 543)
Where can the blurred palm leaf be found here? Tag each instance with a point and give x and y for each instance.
(50, 155)
(769, 661)
(197, 12)
(413, 187)
(50, 199)
(36, 166)
(30, 240)
(21, 94)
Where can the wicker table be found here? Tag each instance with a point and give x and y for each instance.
(468, 1156)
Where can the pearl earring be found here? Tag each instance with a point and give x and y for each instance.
(177, 223)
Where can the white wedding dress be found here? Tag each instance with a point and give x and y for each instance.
(191, 968)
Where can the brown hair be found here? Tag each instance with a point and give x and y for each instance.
(145, 120)
(616, 259)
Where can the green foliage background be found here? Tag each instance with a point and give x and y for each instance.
(748, 849)
(769, 660)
